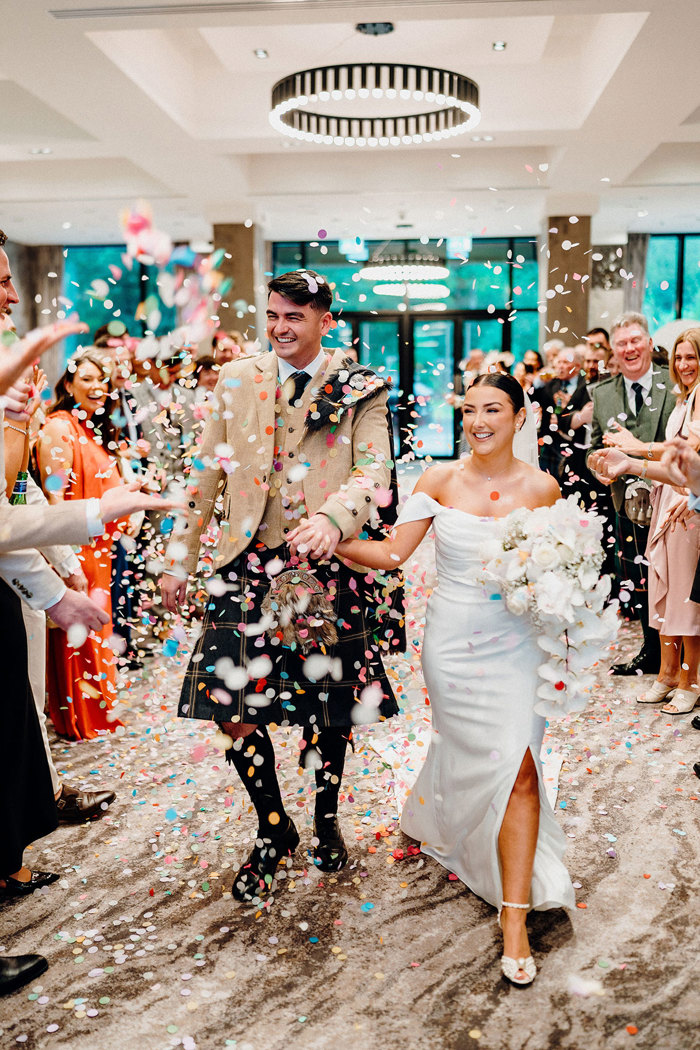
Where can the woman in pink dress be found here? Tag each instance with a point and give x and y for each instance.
(673, 547)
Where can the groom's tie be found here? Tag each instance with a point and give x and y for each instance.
(300, 380)
(638, 397)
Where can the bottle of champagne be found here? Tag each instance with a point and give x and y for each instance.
(19, 492)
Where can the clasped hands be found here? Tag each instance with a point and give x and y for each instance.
(314, 537)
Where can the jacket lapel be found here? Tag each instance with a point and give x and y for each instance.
(264, 395)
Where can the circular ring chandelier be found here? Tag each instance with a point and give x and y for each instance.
(455, 98)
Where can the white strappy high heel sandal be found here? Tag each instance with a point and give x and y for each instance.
(511, 967)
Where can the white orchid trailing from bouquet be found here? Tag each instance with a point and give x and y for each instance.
(546, 564)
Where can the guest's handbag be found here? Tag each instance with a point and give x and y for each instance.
(297, 606)
(638, 502)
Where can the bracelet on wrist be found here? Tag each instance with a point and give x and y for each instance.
(643, 472)
(11, 426)
(650, 450)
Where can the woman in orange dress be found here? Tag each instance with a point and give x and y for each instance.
(77, 458)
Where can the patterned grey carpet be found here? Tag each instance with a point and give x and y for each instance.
(148, 950)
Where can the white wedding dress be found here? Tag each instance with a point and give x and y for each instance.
(480, 666)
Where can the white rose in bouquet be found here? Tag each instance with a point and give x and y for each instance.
(518, 601)
(546, 555)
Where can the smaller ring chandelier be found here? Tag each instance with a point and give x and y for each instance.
(455, 97)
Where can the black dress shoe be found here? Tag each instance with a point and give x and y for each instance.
(18, 970)
(330, 854)
(643, 663)
(696, 769)
(695, 722)
(15, 888)
(256, 878)
(75, 807)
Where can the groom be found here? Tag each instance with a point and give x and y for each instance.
(297, 436)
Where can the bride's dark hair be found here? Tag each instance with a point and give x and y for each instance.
(504, 382)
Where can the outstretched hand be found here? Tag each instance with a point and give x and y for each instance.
(622, 438)
(314, 537)
(15, 359)
(608, 464)
(683, 464)
(124, 500)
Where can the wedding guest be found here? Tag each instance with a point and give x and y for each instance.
(73, 805)
(287, 475)
(641, 395)
(206, 373)
(560, 399)
(77, 453)
(672, 553)
(227, 346)
(479, 806)
(27, 804)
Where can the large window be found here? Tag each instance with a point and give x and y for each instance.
(672, 278)
(100, 288)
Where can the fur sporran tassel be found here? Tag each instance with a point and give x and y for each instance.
(300, 609)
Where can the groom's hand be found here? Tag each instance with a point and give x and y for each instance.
(315, 537)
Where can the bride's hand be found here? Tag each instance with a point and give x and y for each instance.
(622, 438)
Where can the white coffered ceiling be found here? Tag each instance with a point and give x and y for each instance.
(593, 107)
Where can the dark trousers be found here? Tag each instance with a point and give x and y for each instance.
(27, 807)
(632, 572)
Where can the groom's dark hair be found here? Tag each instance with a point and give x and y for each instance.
(504, 382)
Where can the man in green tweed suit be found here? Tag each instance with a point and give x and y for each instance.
(640, 399)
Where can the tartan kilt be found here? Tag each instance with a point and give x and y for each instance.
(631, 544)
(284, 695)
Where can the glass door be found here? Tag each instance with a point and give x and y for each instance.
(377, 345)
(432, 428)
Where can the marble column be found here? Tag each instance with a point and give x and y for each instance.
(239, 243)
(568, 276)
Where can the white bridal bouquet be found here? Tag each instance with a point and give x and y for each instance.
(546, 563)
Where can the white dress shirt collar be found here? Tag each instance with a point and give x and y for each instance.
(286, 370)
(645, 382)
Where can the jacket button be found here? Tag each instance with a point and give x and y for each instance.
(191, 504)
(355, 513)
(285, 530)
(368, 499)
(291, 430)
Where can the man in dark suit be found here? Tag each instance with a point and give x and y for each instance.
(641, 399)
(561, 399)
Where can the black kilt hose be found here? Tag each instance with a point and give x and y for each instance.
(281, 689)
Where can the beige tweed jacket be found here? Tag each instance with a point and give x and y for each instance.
(344, 468)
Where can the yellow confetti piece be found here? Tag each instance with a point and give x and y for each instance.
(475, 1033)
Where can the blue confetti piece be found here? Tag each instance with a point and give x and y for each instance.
(562, 804)
(169, 647)
(166, 525)
(367, 906)
(46, 394)
(313, 940)
(495, 597)
(53, 483)
(171, 814)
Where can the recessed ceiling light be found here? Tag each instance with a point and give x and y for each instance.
(487, 138)
(40, 151)
(260, 52)
(499, 45)
(476, 138)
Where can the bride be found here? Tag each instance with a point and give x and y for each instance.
(479, 805)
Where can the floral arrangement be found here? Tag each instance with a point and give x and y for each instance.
(546, 563)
